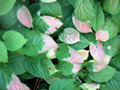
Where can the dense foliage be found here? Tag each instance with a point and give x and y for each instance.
(59, 45)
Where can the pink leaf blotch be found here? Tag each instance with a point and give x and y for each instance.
(53, 23)
(102, 35)
(49, 43)
(25, 17)
(51, 53)
(70, 36)
(15, 84)
(97, 66)
(76, 68)
(84, 53)
(83, 27)
(75, 57)
(97, 52)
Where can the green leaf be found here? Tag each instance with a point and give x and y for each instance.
(103, 75)
(34, 8)
(65, 67)
(26, 75)
(13, 40)
(16, 63)
(63, 52)
(72, 2)
(110, 27)
(116, 11)
(82, 44)
(51, 9)
(3, 53)
(116, 19)
(40, 25)
(114, 83)
(39, 66)
(98, 20)
(34, 45)
(104, 87)
(5, 76)
(9, 19)
(6, 6)
(1, 33)
(63, 3)
(116, 61)
(110, 5)
(63, 84)
(84, 10)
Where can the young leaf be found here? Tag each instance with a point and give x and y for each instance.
(84, 10)
(13, 40)
(3, 53)
(98, 20)
(39, 66)
(103, 75)
(6, 6)
(51, 9)
(24, 16)
(6, 76)
(69, 36)
(84, 54)
(110, 5)
(63, 84)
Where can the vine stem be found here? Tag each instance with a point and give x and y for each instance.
(80, 81)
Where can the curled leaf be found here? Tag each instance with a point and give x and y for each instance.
(83, 27)
(15, 84)
(53, 23)
(25, 17)
(69, 36)
(84, 54)
(97, 66)
(102, 35)
(97, 51)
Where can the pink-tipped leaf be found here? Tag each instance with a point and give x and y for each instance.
(53, 23)
(97, 66)
(76, 68)
(97, 52)
(75, 57)
(69, 36)
(83, 27)
(102, 35)
(15, 84)
(84, 53)
(49, 43)
(24, 16)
